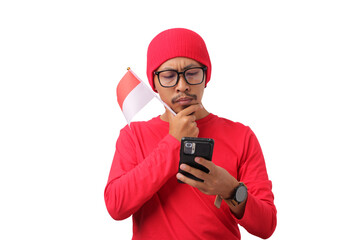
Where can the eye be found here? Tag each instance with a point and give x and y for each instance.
(168, 75)
(193, 72)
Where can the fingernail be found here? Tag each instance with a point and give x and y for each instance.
(197, 159)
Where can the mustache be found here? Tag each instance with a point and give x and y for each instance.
(174, 99)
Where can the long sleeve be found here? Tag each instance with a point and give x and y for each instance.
(142, 183)
(260, 213)
(134, 179)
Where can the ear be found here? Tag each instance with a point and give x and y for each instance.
(155, 87)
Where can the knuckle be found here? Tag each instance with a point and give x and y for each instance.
(205, 191)
(196, 185)
(184, 120)
(200, 174)
(189, 169)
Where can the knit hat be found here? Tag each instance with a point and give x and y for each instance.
(176, 42)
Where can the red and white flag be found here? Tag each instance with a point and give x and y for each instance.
(133, 95)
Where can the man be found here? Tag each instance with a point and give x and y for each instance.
(143, 179)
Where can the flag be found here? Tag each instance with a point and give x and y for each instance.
(133, 95)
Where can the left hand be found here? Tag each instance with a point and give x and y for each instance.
(217, 182)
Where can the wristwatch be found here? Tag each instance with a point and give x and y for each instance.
(240, 194)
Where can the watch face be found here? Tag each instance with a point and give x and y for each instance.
(241, 194)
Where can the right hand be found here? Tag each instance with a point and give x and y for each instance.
(183, 124)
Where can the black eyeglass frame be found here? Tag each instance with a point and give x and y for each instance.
(204, 68)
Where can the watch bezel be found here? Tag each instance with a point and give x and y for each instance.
(240, 193)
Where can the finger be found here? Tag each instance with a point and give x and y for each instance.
(188, 181)
(190, 118)
(206, 163)
(194, 171)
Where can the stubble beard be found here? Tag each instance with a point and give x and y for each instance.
(174, 99)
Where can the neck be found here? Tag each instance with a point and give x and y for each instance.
(199, 114)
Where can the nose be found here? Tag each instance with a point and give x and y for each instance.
(182, 85)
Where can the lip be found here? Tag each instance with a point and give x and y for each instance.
(184, 101)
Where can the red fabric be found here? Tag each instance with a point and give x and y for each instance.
(142, 183)
(176, 42)
(125, 86)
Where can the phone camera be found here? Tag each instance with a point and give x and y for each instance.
(189, 148)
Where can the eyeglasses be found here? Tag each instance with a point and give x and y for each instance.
(193, 76)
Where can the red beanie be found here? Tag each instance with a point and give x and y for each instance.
(176, 42)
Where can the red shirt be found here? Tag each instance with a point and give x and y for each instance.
(142, 183)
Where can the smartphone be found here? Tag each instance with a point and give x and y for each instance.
(195, 147)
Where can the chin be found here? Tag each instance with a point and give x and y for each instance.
(185, 106)
(178, 109)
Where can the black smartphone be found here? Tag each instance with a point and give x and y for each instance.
(195, 147)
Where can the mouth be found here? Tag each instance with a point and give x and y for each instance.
(184, 101)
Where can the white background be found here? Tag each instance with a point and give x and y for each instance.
(288, 69)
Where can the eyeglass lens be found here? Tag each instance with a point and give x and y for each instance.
(192, 76)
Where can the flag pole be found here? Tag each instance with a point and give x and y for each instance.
(156, 96)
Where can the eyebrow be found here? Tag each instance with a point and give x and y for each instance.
(186, 67)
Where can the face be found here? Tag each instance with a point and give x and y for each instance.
(181, 95)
